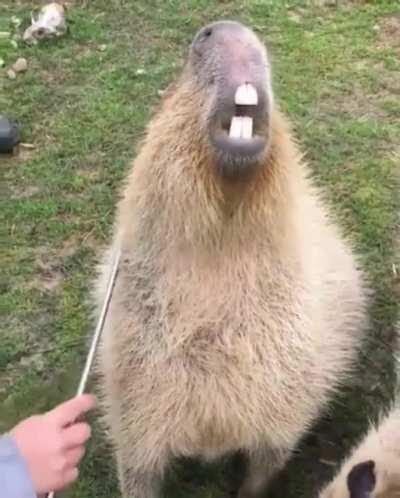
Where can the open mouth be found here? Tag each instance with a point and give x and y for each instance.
(236, 134)
(241, 126)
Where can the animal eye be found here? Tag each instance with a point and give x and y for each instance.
(204, 35)
(200, 44)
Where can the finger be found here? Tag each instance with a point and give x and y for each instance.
(76, 435)
(74, 456)
(68, 412)
(70, 476)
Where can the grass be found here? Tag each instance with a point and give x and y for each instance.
(84, 102)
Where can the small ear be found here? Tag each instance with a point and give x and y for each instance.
(361, 480)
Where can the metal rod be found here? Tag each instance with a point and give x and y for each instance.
(97, 334)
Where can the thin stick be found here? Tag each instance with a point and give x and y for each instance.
(99, 328)
(97, 334)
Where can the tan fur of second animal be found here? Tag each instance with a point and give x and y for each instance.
(379, 455)
(238, 309)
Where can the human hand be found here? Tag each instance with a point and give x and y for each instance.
(52, 444)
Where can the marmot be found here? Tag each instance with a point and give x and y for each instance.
(239, 307)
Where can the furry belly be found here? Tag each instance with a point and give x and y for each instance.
(211, 413)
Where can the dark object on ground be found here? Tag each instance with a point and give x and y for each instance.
(9, 135)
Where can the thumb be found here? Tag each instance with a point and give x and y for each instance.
(69, 411)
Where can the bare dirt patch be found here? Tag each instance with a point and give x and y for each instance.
(49, 279)
(49, 275)
(21, 155)
(26, 349)
(360, 103)
(26, 192)
(389, 33)
(356, 104)
(49, 264)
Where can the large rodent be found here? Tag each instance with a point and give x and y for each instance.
(373, 468)
(239, 308)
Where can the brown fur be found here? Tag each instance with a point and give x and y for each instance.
(237, 311)
(382, 446)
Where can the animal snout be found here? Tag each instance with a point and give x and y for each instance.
(232, 70)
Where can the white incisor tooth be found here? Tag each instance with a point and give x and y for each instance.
(235, 130)
(247, 127)
(246, 94)
(241, 127)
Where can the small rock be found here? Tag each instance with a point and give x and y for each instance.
(160, 93)
(102, 48)
(20, 66)
(2, 63)
(376, 27)
(139, 72)
(11, 74)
